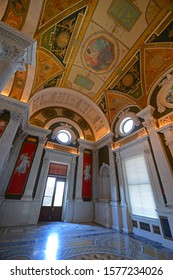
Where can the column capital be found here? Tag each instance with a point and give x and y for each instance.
(146, 113)
(110, 145)
(147, 149)
(20, 40)
(1, 111)
(16, 116)
(14, 54)
(150, 123)
(42, 140)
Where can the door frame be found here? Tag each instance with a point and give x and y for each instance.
(58, 178)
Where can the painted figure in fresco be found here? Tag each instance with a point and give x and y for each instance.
(86, 172)
(99, 54)
(24, 163)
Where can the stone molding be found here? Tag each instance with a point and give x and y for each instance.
(14, 55)
(20, 40)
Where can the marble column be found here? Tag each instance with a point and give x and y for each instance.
(168, 134)
(162, 161)
(11, 60)
(42, 180)
(114, 190)
(115, 200)
(28, 193)
(126, 219)
(95, 174)
(68, 213)
(71, 178)
(8, 136)
(78, 191)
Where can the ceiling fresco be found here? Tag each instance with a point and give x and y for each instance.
(111, 53)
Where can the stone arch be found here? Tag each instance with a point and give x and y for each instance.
(72, 100)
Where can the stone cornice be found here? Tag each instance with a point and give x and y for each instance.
(22, 41)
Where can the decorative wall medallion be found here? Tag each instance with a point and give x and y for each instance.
(100, 54)
(165, 95)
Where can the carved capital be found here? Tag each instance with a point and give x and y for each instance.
(118, 157)
(42, 140)
(150, 123)
(169, 142)
(1, 112)
(16, 116)
(14, 55)
(147, 148)
(110, 145)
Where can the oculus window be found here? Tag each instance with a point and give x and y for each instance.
(127, 125)
(64, 136)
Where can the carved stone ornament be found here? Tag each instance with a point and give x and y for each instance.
(16, 116)
(22, 41)
(150, 123)
(14, 55)
(165, 95)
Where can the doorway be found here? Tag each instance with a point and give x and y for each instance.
(51, 209)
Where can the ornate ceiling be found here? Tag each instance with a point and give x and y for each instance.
(94, 58)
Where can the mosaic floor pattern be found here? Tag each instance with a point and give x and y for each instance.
(60, 241)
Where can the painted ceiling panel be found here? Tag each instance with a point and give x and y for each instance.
(104, 55)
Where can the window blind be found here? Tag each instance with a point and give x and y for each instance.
(140, 192)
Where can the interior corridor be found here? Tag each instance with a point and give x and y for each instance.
(61, 241)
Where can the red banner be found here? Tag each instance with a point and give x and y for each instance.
(3, 125)
(87, 176)
(22, 168)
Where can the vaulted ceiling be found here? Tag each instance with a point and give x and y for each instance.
(93, 59)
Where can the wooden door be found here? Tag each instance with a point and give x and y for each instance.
(51, 209)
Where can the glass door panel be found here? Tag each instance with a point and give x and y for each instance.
(48, 196)
(58, 199)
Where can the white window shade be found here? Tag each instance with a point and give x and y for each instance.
(140, 192)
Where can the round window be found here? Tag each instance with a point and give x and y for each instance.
(127, 125)
(64, 136)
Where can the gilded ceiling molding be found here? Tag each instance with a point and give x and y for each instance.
(74, 101)
(16, 12)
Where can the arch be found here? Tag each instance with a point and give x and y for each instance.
(72, 100)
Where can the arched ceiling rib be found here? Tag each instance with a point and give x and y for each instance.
(72, 100)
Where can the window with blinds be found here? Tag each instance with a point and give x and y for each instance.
(141, 198)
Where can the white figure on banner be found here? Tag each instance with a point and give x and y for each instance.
(24, 163)
(86, 172)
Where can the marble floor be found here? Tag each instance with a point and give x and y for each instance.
(67, 241)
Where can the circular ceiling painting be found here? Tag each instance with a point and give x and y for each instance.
(100, 53)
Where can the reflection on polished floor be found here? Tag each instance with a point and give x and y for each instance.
(60, 241)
